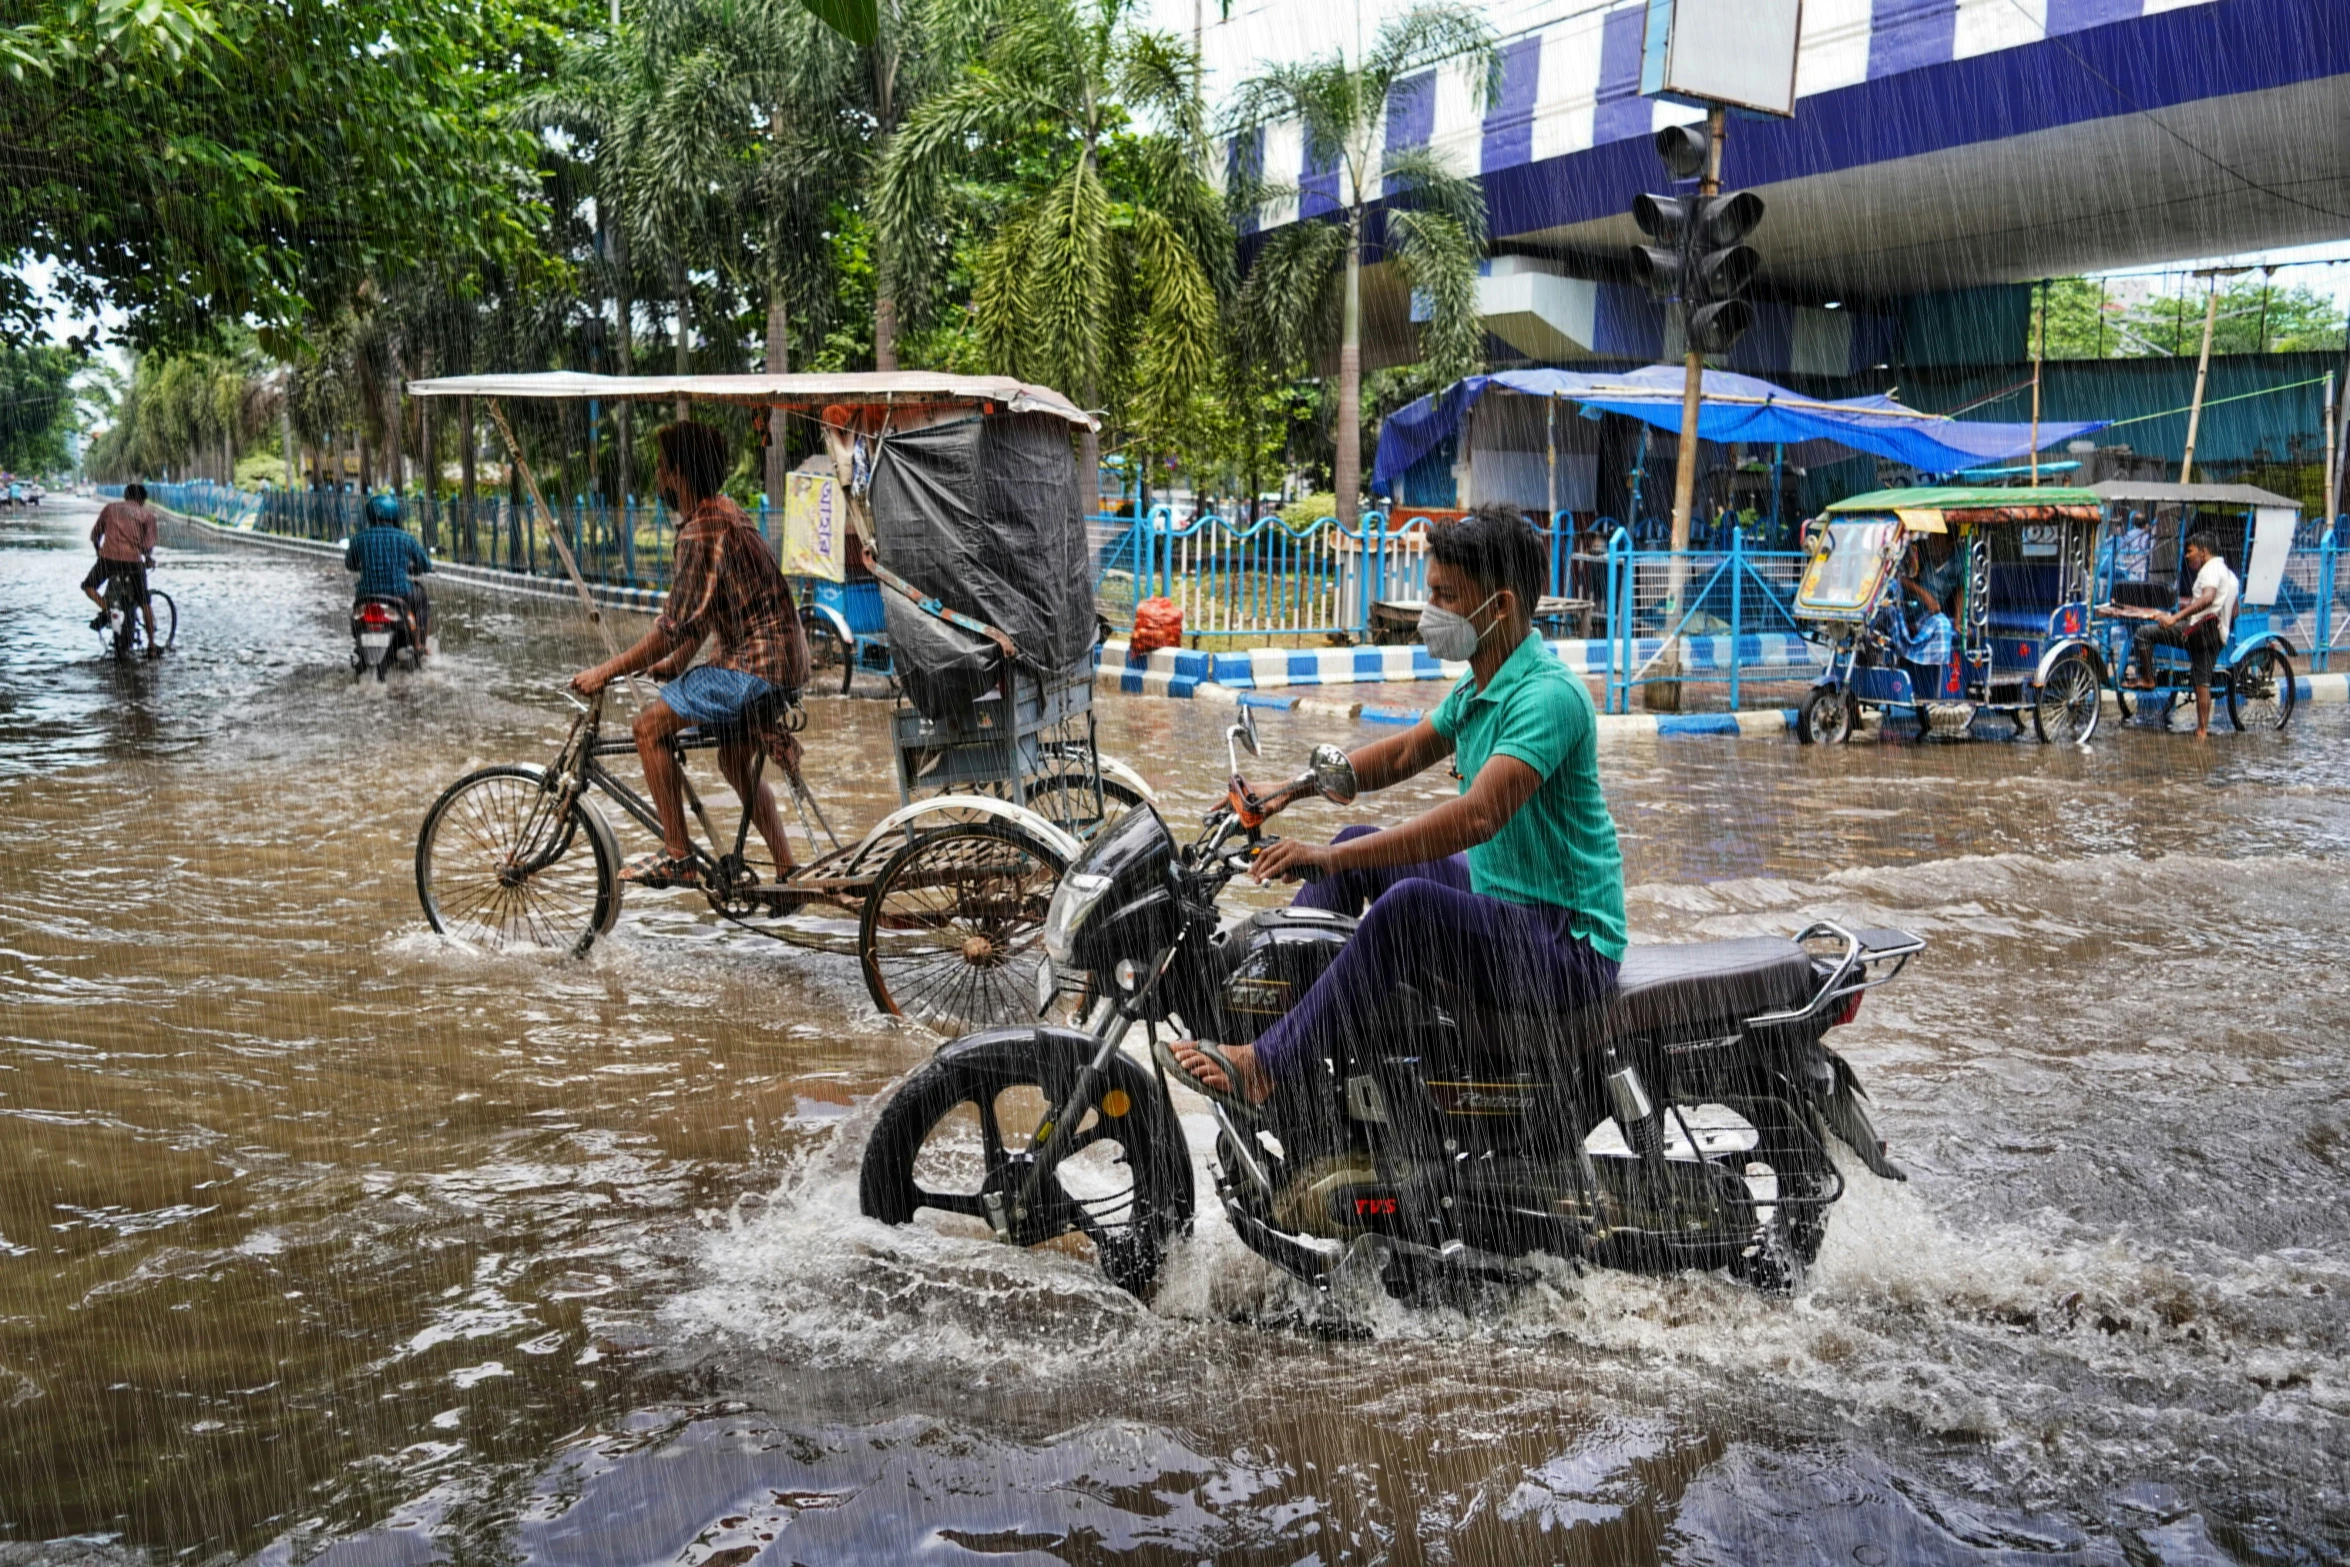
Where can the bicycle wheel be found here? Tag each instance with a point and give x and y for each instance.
(952, 933)
(167, 619)
(496, 865)
(2262, 691)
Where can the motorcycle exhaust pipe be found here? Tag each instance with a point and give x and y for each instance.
(1636, 1114)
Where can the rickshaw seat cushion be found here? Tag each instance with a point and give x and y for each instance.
(1667, 990)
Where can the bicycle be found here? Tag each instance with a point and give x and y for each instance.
(126, 629)
(949, 893)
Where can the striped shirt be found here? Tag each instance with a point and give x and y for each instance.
(725, 584)
(1929, 644)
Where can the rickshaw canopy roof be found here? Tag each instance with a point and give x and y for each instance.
(897, 387)
(1976, 504)
(2213, 494)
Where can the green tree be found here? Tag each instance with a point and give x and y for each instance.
(1304, 295)
(2087, 319)
(192, 162)
(1102, 273)
(36, 406)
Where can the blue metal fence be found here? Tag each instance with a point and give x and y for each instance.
(1270, 582)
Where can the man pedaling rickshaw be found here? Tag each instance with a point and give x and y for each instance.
(724, 586)
(1514, 889)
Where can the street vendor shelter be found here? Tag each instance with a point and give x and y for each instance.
(1732, 408)
(968, 485)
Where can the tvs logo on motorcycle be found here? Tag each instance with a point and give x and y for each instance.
(1374, 1207)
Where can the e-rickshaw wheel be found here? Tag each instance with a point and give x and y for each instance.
(953, 930)
(1826, 717)
(2262, 690)
(2068, 705)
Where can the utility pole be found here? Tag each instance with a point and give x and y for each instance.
(2203, 366)
(2039, 353)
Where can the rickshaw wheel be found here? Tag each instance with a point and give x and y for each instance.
(2066, 710)
(2262, 690)
(953, 930)
(1826, 718)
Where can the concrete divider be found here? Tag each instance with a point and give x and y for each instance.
(1268, 669)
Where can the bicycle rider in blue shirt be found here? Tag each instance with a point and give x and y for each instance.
(387, 557)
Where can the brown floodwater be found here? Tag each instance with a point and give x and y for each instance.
(322, 1239)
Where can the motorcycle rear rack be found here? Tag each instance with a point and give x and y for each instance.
(1856, 969)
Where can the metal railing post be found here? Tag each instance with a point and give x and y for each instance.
(1737, 610)
(1619, 617)
(2322, 638)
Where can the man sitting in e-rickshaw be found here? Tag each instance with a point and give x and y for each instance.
(1916, 627)
(725, 584)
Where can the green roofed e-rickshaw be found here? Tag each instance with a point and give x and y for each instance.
(2009, 573)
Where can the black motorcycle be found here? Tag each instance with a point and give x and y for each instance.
(383, 630)
(1682, 1123)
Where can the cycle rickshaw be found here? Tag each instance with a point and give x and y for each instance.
(2143, 570)
(2022, 640)
(966, 488)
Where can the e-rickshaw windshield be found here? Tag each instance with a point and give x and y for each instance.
(1848, 570)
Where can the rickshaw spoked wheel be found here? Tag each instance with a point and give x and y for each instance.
(952, 931)
(2262, 690)
(2068, 706)
(1826, 718)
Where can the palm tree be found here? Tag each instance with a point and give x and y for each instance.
(1107, 264)
(1306, 289)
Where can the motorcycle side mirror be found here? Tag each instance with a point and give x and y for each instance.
(1334, 774)
(1243, 733)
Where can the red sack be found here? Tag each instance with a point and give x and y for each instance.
(1158, 623)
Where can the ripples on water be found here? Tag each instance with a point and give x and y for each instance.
(320, 1236)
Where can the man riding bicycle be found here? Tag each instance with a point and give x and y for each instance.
(125, 536)
(387, 558)
(725, 585)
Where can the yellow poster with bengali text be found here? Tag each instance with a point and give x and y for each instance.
(815, 527)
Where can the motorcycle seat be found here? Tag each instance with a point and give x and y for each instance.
(1663, 988)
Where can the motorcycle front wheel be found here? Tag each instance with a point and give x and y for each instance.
(957, 1138)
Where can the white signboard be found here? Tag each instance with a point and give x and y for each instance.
(2272, 541)
(1738, 52)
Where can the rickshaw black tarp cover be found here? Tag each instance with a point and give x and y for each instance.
(982, 514)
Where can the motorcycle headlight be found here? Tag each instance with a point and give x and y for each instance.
(1074, 901)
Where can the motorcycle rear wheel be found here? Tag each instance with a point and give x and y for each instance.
(957, 1130)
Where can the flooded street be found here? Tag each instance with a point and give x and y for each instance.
(321, 1239)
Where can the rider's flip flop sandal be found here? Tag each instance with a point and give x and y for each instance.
(659, 871)
(1235, 1102)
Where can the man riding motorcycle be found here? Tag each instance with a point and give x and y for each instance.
(1514, 889)
(387, 557)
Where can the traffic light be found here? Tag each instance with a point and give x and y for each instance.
(1699, 257)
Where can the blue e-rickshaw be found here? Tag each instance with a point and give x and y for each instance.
(2022, 643)
(2143, 570)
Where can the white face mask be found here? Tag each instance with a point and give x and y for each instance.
(1450, 637)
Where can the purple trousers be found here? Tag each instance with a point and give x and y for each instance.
(1422, 922)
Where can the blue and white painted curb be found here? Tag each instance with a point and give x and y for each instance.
(1270, 669)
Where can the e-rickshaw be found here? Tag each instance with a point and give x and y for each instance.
(966, 489)
(2143, 572)
(2022, 643)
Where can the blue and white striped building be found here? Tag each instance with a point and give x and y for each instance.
(1940, 150)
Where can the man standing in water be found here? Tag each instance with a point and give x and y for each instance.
(125, 536)
(2200, 625)
(1514, 888)
(726, 586)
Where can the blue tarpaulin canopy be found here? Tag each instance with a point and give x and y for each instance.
(1734, 408)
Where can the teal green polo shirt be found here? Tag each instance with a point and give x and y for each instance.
(1560, 848)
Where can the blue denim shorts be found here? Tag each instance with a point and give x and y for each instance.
(712, 698)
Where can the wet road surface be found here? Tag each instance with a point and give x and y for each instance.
(323, 1240)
